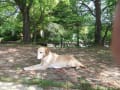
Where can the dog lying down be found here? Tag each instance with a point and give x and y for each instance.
(53, 60)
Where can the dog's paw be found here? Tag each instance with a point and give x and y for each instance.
(84, 67)
(77, 68)
(21, 71)
(26, 69)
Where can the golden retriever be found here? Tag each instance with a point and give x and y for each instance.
(53, 60)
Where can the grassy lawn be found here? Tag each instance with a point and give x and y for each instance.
(82, 85)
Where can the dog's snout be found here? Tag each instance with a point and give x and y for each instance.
(39, 57)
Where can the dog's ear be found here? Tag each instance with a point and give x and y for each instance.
(47, 51)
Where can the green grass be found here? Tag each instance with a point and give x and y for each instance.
(85, 85)
(82, 85)
(43, 83)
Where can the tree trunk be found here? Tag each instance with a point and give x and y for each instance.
(24, 7)
(26, 25)
(61, 41)
(78, 37)
(116, 34)
(105, 35)
(98, 22)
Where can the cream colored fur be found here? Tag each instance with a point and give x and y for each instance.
(53, 60)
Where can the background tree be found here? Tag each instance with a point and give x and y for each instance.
(24, 7)
(96, 8)
(83, 20)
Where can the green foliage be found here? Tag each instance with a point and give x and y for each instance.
(73, 15)
(10, 31)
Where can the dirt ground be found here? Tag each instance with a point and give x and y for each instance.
(101, 69)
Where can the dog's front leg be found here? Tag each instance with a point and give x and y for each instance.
(36, 67)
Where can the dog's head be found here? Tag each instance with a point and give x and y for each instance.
(42, 52)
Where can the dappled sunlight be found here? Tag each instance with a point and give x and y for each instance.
(100, 68)
(16, 56)
(10, 50)
(110, 76)
(12, 86)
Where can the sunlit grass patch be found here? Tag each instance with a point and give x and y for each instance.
(6, 79)
(46, 83)
(81, 85)
(85, 85)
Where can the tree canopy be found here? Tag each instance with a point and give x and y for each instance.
(89, 21)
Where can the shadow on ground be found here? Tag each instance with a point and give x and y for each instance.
(101, 70)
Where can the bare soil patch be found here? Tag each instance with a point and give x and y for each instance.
(101, 69)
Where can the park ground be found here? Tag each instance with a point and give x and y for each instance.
(101, 72)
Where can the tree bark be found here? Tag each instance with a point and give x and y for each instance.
(105, 35)
(61, 41)
(78, 37)
(26, 25)
(24, 9)
(116, 34)
(98, 22)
